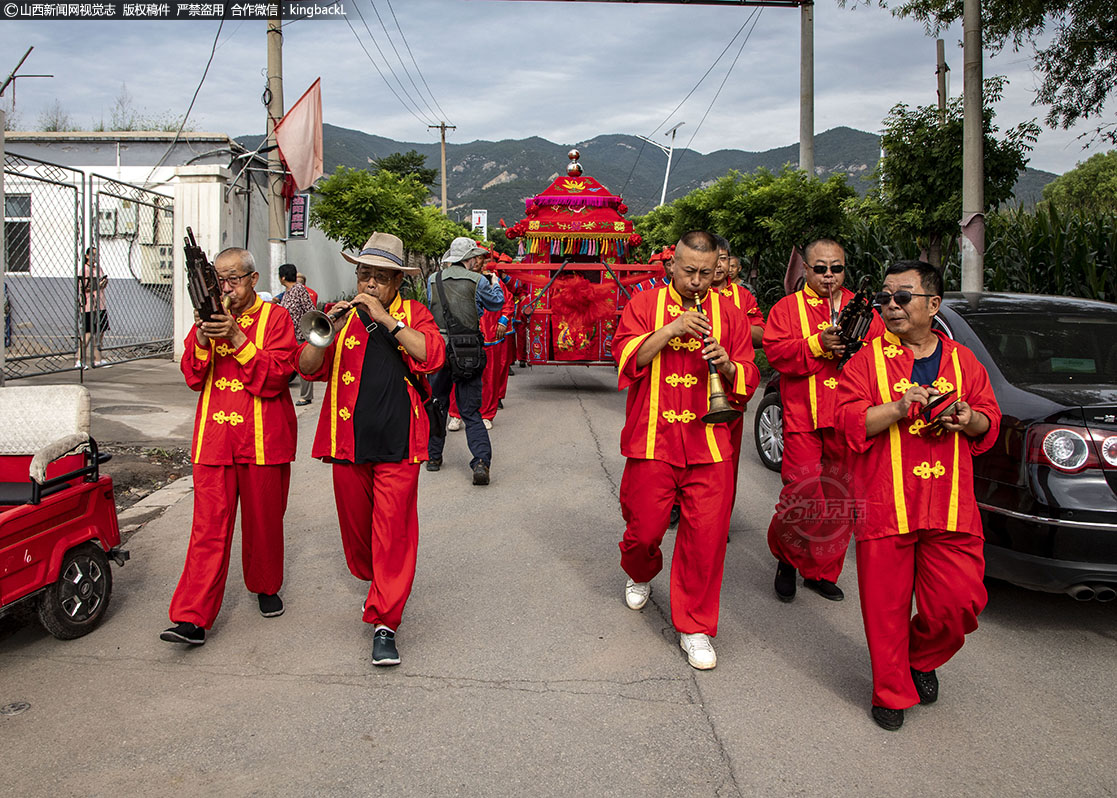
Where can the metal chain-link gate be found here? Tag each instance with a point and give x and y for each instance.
(130, 303)
(43, 235)
(88, 280)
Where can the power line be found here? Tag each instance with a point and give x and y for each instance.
(190, 107)
(667, 118)
(399, 58)
(426, 120)
(408, 46)
(386, 83)
(686, 149)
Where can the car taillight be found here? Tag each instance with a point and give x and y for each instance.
(1070, 448)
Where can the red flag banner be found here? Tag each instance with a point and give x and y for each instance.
(299, 136)
(796, 268)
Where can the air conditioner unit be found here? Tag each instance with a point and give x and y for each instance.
(106, 222)
(156, 264)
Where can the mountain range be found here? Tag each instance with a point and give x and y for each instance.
(499, 175)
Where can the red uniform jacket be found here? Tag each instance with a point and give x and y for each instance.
(743, 298)
(808, 375)
(668, 397)
(491, 319)
(908, 477)
(341, 369)
(245, 413)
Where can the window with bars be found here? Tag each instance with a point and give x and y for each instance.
(17, 232)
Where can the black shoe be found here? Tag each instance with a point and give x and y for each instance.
(271, 605)
(676, 514)
(785, 581)
(828, 590)
(434, 464)
(185, 633)
(888, 719)
(302, 403)
(384, 650)
(480, 474)
(927, 685)
(499, 404)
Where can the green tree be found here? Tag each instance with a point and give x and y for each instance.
(407, 163)
(1077, 65)
(919, 191)
(759, 213)
(353, 203)
(1091, 186)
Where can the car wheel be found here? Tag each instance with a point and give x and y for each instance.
(76, 603)
(768, 431)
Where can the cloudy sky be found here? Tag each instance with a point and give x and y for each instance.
(513, 68)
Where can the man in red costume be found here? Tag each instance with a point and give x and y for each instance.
(373, 428)
(664, 343)
(244, 442)
(802, 344)
(918, 531)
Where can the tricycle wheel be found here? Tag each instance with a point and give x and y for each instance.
(76, 603)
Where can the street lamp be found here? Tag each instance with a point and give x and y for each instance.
(667, 151)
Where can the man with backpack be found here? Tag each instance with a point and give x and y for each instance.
(457, 296)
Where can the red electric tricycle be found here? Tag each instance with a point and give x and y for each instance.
(58, 526)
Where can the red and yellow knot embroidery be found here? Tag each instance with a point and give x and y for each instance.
(687, 380)
(533, 225)
(925, 470)
(814, 301)
(943, 385)
(686, 416)
(689, 345)
(224, 349)
(903, 385)
(232, 385)
(831, 383)
(233, 418)
(399, 315)
(918, 426)
(892, 351)
(618, 226)
(824, 325)
(351, 342)
(344, 413)
(245, 322)
(828, 355)
(675, 310)
(348, 378)
(727, 292)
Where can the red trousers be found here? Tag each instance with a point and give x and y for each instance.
(815, 514)
(648, 489)
(494, 381)
(377, 509)
(262, 491)
(944, 571)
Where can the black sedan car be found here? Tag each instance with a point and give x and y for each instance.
(1048, 489)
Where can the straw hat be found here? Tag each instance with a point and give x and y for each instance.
(384, 250)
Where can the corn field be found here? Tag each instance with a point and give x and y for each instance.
(1035, 251)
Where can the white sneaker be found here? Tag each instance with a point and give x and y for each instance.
(699, 651)
(488, 424)
(636, 594)
(454, 424)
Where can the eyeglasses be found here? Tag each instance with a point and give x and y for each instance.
(233, 281)
(382, 278)
(836, 268)
(902, 297)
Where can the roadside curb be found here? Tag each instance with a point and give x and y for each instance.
(153, 505)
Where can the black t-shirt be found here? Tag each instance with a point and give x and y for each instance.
(925, 371)
(382, 415)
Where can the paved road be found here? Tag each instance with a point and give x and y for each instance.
(524, 673)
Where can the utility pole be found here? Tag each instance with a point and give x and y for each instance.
(941, 70)
(806, 88)
(973, 141)
(668, 152)
(443, 127)
(277, 209)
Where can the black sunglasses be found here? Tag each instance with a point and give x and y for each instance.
(902, 297)
(837, 268)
